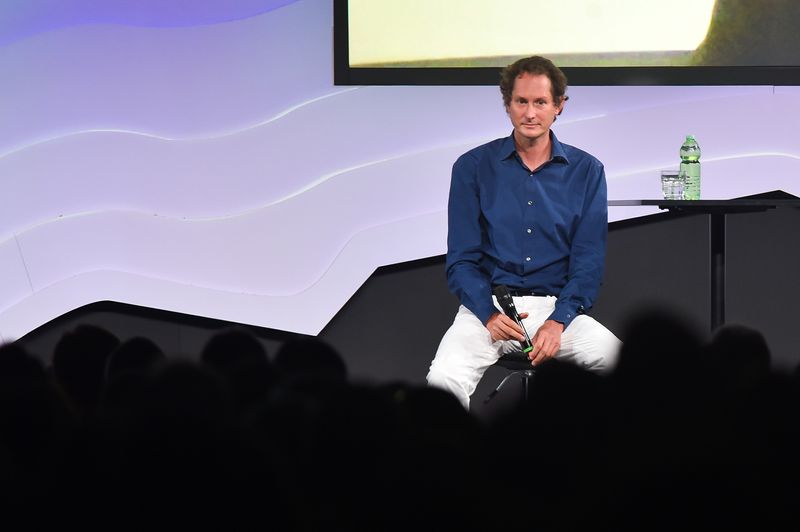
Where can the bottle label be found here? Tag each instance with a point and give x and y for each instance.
(691, 188)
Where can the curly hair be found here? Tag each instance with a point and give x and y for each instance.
(533, 65)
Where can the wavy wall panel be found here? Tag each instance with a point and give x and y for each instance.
(21, 19)
(202, 162)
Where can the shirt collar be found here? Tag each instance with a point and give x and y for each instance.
(509, 149)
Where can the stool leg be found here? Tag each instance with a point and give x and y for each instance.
(527, 376)
(525, 390)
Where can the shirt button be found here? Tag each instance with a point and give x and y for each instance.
(528, 259)
(530, 231)
(530, 203)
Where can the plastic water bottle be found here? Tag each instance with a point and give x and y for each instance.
(690, 167)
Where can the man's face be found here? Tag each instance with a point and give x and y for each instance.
(532, 110)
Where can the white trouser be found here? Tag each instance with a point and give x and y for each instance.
(467, 350)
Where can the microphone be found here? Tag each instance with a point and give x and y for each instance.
(509, 309)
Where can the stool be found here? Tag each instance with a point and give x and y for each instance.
(519, 364)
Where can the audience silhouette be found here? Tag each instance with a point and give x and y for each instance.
(138, 355)
(129, 366)
(79, 366)
(307, 357)
(238, 357)
(682, 430)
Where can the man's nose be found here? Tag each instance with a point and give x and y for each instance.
(530, 110)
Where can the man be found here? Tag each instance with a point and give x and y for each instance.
(528, 212)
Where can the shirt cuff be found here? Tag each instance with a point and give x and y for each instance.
(485, 313)
(564, 314)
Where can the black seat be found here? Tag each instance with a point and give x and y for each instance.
(519, 364)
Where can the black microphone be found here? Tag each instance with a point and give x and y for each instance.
(509, 309)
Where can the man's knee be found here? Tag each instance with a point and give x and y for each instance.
(439, 379)
(595, 347)
(606, 353)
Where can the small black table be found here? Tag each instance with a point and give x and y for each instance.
(717, 211)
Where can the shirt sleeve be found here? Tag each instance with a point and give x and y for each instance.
(587, 252)
(466, 240)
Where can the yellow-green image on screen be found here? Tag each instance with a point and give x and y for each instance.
(574, 33)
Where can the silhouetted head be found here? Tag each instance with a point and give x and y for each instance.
(17, 365)
(239, 357)
(741, 354)
(231, 348)
(655, 338)
(310, 358)
(137, 354)
(79, 364)
(129, 368)
(30, 413)
(184, 392)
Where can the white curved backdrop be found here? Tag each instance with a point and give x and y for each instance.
(204, 163)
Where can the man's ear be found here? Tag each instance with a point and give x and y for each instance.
(561, 105)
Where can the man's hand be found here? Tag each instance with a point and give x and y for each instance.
(501, 327)
(546, 342)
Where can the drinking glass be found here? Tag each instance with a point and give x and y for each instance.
(672, 184)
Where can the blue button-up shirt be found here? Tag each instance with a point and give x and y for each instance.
(543, 229)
